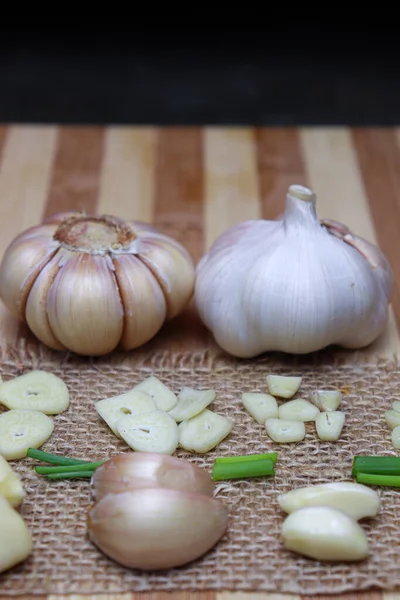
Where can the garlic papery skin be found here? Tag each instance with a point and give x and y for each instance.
(152, 529)
(292, 285)
(91, 284)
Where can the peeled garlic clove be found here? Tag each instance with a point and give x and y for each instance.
(396, 437)
(283, 386)
(149, 432)
(329, 425)
(190, 403)
(23, 429)
(392, 418)
(356, 500)
(134, 402)
(164, 398)
(326, 400)
(324, 533)
(396, 405)
(11, 487)
(204, 431)
(298, 410)
(283, 431)
(260, 406)
(152, 529)
(36, 390)
(16, 540)
(137, 470)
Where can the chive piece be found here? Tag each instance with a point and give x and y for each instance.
(70, 475)
(53, 458)
(379, 465)
(67, 468)
(242, 470)
(248, 458)
(373, 479)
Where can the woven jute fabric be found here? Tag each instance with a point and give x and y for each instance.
(251, 555)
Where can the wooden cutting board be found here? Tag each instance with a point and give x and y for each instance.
(193, 183)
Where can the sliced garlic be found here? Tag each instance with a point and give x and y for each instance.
(396, 405)
(283, 431)
(149, 432)
(396, 437)
(204, 431)
(16, 540)
(23, 429)
(324, 533)
(392, 418)
(329, 425)
(11, 487)
(164, 398)
(190, 403)
(36, 390)
(356, 500)
(134, 402)
(260, 406)
(298, 410)
(282, 386)
(326, 400)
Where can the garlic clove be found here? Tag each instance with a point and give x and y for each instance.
(356, 500)
(325, 534)
(84, 306)
(396, 437)
(283, 386)
(22, 429)
(329, 425)
(134, 402)
(136, 470)
(392, 418)
(11, 487)
(154, 431)
(284, 431)
(143, 300)
(190, 403)
(164, 398)
(23, 260)
(298, 410)
(396, 406)
(16, 540)
(326, 400)
(204, 431)
(260, 406)
(173, 268)
(36, 390)
(152, 529)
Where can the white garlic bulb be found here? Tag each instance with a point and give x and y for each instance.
(90, 284)
(295, 285)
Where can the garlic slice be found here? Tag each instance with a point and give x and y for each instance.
(298, 410)
(396, 437)
(16, 540)
(190, 403)
(164, 398)
(282, 431)
(11, 487)
(260, 406)
(283, 386)
(326, 400)
(23, 429)
(324, 533)
(392, 418)
(329, 425)
(36, 390)
(356, 500)
(204, 431)
(134, 402)
(149, 432)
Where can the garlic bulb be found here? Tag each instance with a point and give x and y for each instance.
(295, 285)
(89, 284)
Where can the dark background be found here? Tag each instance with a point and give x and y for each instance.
(288, 74)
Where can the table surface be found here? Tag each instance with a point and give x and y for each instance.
(193, 183)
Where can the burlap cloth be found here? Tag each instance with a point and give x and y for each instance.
(250, 556)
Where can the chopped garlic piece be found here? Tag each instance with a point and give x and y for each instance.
(11, 487)
(260, 406)
(164, 398)
(204, 431)
(36, 390)
(283, 431)
(356, 500)
(326, 400)
(149, 432)
(16, 540)
(282, 386)
(23, 429)
(298, 410)
(396, 437)
(133, 402)
(324, 533)
(392, 418)
(329, 425)
(396, 405)
(190, 403)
